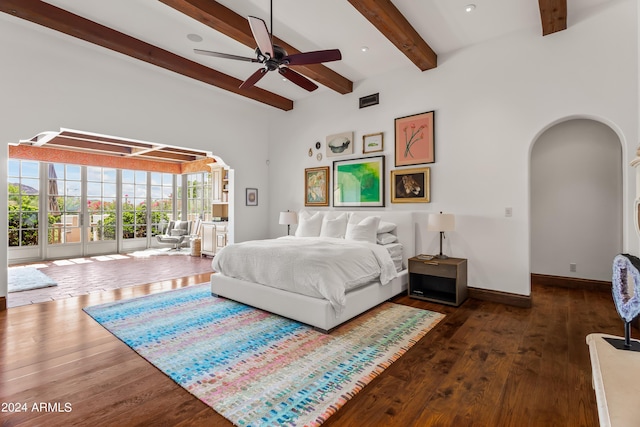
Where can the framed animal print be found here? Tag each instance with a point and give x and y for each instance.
(410, 185)
(316, 186)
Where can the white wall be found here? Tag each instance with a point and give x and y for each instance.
(49, 80)
(491, 101)
(576, 200)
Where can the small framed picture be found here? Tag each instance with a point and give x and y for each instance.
(252, 197)
(410, 185)
(316, 186)
(339, 144)
(372, 143)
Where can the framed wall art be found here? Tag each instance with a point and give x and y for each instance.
(411, 185)
(316, 186)
(359, 182)
(372, 143)
(414, 139)
(340, 144)
(251, 197)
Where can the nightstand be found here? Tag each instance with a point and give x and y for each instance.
(438, 280)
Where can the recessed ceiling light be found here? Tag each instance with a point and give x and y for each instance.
(469, 8)
(364, 49)
(194, 38)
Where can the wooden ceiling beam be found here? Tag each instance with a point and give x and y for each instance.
(395, 27)
(52, 17)
(157, 154)
(64, 142)
(553, 14)
(227, 22)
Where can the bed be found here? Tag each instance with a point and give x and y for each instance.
(319, 311)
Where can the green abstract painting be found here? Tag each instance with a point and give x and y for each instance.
(359, 182)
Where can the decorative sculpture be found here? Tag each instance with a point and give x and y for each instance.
(626, 266)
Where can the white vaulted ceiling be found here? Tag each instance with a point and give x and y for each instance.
(308, 25)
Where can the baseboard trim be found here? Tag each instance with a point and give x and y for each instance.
(3, 303)
(570, 282)
(501, 297)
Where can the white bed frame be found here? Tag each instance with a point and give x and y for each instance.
(318, 312)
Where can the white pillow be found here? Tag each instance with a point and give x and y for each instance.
(309, 225)
(386, 238)
(386, 227)
(362, 229)
(335, 227)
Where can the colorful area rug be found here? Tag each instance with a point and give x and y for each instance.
(27, 278)
(256, 368)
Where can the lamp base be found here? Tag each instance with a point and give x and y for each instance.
(441, 256)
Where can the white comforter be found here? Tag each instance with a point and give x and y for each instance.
(320, 267)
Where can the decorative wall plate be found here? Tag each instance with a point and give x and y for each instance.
(318, 145)
(319, 156)
(310, 152)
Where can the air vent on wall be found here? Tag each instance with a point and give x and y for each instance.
(369, 100)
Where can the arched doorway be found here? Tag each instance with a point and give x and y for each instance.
(576, 202)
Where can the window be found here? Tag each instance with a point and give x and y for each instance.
(161, 201)
(198, 195)
(134, 204)
(64, 192)
(24, 202)
(101, 203)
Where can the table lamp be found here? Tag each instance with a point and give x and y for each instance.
(287, 218)
(441, 222)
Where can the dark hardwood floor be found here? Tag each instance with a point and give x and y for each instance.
(485, 364)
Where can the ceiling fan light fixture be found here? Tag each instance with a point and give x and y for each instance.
(470, 8)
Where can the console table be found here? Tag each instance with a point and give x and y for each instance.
(616, 381)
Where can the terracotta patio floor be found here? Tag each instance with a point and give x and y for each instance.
(82, 276)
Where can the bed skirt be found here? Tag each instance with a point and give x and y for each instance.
(312, 311)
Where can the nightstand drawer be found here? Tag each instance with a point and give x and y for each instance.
(433, 268)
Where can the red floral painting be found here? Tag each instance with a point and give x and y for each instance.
(415, 139)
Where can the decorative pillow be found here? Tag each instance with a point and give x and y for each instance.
(386, 227)
(386, 238)
(336, 227)
(362, 229)
(309, 225)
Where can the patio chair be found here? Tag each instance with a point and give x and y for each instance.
(177, 232)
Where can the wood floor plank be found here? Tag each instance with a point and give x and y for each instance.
(484, 364)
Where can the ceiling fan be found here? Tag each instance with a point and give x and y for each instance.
(274, 57)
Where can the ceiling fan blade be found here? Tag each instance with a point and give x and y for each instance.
(253, 78)
(298, 79)
(224, 55)
(314, 57)
(261, 34)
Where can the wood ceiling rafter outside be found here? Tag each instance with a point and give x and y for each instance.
(52, 17)
(229, 23)
(122, 147)
(553, 14)
(103, 145)
(395, 27)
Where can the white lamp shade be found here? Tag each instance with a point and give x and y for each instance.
(288, 218)
(441, 222)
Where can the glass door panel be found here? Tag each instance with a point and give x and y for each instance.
(101, 204)
(64, 195)
(161, 201)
